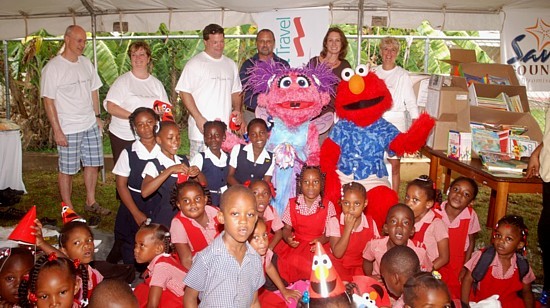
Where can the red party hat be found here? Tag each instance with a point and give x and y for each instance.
(325, 281)
(23, 232)
(69, 214)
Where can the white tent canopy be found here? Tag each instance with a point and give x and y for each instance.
(21, 17)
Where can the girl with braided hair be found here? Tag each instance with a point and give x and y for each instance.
(305, 219)
(425, 289)
(15, 263)
(163, 286)
(505, 272)
(52, 282)
(76, 241)
(429, 229)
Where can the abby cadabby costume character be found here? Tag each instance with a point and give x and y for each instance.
(354, 150)
(291, 97)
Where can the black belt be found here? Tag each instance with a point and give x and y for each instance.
(250, 109)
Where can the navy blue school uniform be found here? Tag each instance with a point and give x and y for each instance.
(131, 164)
(163, 211)
(215, 170)
(242, 159)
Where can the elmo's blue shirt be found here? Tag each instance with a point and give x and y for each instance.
(363, 148)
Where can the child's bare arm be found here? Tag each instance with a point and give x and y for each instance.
(271, 271)
(339, 245)
(467, 282)
(277, 236)
(288, 237)
(443, 258)
(190, 297)
(367, 267)
(231, 180)
(41, 243)
(528, 298)
(255, 301)
(467, 254)
(267, 178)
(185, 255)
(155, 293)
(151, 184)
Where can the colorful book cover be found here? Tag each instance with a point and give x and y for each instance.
(485, 140)
(453, 145)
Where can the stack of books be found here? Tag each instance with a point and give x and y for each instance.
(500, 162)
(502, 102)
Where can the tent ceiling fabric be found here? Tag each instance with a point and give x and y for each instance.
(26, 16)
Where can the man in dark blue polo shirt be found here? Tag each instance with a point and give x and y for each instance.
(265, 43)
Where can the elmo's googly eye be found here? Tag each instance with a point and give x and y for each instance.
(347, 73)
(285, 82)
(362, 70)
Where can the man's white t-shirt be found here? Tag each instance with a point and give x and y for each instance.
(211, 82)
(70, 85)
(130, 93)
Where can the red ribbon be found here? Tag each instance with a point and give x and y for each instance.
(182, 178)
(76, 263)
(52, 257)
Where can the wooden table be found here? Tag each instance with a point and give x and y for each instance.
(500, 186)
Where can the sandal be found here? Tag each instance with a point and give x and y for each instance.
(94, 221)
(97, 209)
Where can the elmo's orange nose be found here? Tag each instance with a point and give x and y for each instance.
(356, 84)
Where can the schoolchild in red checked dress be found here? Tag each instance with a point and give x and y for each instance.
(461, 219)
(264, 192)
(195, 225)
(163, 286)
(305, 217)
(502, 276)
(422, 196)
(350, 233)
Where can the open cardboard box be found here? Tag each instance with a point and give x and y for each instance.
(494, 69)
(448, 100)
(485, 115)
(459, 56)
(491, 90)
(457, 118)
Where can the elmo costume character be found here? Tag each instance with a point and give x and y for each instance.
(355, 148)
(292, 97)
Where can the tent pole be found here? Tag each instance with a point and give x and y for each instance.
(359, 29)
(7, 80)
(94, 30)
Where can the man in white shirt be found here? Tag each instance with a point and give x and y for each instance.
(69, 87)
(209, 87)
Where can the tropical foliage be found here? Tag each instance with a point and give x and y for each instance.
(28, 57)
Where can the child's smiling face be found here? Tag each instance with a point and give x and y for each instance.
(169, 140)
(399, 225)
(258, 135)
(461, 195)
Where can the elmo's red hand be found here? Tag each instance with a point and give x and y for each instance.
(412, 140)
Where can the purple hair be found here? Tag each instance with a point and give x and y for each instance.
(262, 73)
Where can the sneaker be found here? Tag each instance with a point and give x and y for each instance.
(543, 300)
(93, 221)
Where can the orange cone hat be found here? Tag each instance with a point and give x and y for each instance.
(325, 281)
(69, 214)
(23, 232)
